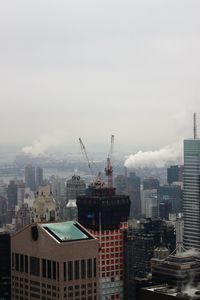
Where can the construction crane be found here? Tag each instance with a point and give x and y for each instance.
(84, 152)
(97, 181)
(109, 168)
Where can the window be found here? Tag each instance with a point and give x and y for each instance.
(95, 267)
(25, 263)
(83, 271)
(16, 262)
(58, 271)
(49, 269)
(89, 268)
(76, 266)
(44, 268)
(64, 271)
(21, 263)
(34, 266)
(13, 266)
(70, 270)
(54, 270)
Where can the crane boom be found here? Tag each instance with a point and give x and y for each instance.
(84, 151)
(109, 168)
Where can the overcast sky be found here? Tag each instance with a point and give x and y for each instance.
(94, 68)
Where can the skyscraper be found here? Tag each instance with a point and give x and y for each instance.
(105, 215)
(75, 187)
(12, 194)
(39, 177)
(191, 194)
(5, 273)
(30, 177)
(54, 261)
(130, 185)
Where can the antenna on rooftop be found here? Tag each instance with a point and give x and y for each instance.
(195, 126)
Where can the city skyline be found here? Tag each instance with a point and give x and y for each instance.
(94, 69)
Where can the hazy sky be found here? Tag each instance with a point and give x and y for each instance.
(94, 68)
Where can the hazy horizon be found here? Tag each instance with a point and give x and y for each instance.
(96, 68)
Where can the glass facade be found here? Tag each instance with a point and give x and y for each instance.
(191, 194)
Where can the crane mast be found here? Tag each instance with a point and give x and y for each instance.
(84, 152)
(109, 168)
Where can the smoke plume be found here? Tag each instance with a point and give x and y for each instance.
(166, 156)
(44, 143)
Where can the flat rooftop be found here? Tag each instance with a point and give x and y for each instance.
(67, 231)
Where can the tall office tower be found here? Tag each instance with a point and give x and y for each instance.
(20, 192)
(3, 210)
(150, 183)
(130, 185)
(22, 216)
(174, 174)
(171, 194)
(191, 194)
(141, 240)
(5, 269)
(58, 188)
(30, 177)
(133, 190)
(149, 203)
(54, 261)
(165, 209)
(75, 187)
(38, 177)
(105, 215)
(12, 195)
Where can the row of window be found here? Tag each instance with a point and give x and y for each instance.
(24, 264)
(107, 244)
(79, 269)
(72, 270)
(112, 255)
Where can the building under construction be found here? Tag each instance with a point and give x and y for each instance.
(105, 215)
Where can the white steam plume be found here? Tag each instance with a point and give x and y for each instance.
(46, 141)
(155, 159)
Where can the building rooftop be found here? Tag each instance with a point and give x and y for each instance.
(188, 293)
(66, 231)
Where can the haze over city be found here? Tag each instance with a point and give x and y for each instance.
(95, 68)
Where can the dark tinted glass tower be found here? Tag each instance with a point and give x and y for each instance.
(39, 177)
(105, 215)
(5, 270)
(130, 185)
(12, 194)
(30, 177)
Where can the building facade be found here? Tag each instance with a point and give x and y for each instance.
(39, 177)
(191, 194)
(130, 185)
(5, 269)
(105, 215)
(57, 261)
(75, 187)
(30, 177)
(45, 208)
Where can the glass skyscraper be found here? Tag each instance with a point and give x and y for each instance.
(191, 194)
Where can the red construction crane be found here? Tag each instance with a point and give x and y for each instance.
(109, 168)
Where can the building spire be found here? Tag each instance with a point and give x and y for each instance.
(195, 126)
